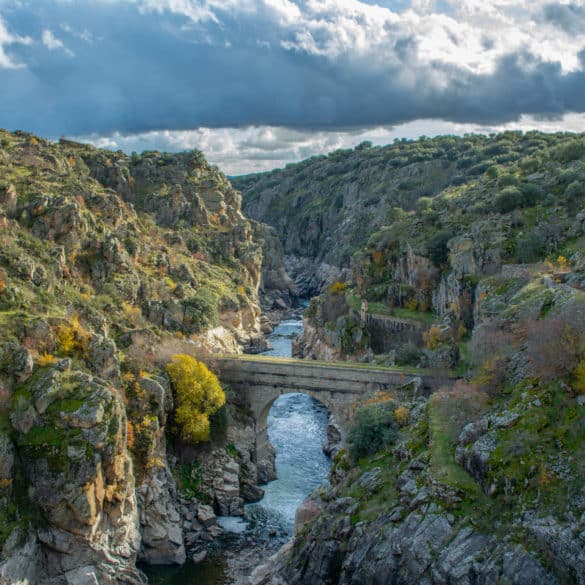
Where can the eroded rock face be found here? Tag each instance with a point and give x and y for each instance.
(419, 542)
(74, 457)
(277, 289)
(160, 522)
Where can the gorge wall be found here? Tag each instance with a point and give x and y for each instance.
(110, 265)
(476, 245)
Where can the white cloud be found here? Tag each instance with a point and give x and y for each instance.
(261, 148)
(53, 43)
(6, 39)
(350, 28)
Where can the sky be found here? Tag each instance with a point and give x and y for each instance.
(256, 84)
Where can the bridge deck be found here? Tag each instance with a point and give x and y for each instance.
(349, 365)
(340, 377)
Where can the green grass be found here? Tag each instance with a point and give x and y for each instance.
(463, 365)
(442, 439)
(429, 318)
(378, 308)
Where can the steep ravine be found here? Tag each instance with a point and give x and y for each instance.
(297, 429)
(462, 254)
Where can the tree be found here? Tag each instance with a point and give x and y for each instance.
(437, 247)
(197, 394)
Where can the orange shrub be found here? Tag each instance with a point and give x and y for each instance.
(72, 338)
(411, 304)
(401, 414)
(46, 360)
(130, 436)
(338, 288)
(433, 337)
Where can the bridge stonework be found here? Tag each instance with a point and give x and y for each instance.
(258, 382)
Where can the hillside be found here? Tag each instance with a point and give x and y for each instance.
(527, 187)
(465, 254)
(109, 266)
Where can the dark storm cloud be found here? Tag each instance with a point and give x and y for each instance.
(121, 69)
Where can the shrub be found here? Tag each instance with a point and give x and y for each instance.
(575, 193)
(374, 428)
(72, 338)
(201, 311)
(338, 288)
(508, 199)
(529, 248)
(411, 304)
(433, 337)
(198, 395)
(490, 350)
(46, 360)
(493, 172)
(130, 435)
(424, 203)
(579, 383)
(531, 194)
(556, 344)
(408, 355)
(508, 180)
(437, 247)
(402, 414)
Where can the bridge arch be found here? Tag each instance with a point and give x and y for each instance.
(258, 382)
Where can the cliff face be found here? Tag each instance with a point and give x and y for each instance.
(109, 266)
(70, 440)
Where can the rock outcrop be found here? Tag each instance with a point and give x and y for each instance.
(71, 441)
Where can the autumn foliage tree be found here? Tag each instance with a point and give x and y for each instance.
(198, 395)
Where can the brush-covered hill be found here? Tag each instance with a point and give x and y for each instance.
(462, 253)
(517, 195)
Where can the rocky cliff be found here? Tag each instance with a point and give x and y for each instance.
(110, 265)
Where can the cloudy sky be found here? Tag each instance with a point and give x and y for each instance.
(258, 83)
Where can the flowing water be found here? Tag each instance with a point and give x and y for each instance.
(297, 427)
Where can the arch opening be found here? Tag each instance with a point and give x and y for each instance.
(296, 426)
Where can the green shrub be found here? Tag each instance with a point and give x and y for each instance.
(408, 355)
(508, 199)
(437, 247)
(374, 428)
(531, 194)
(529, 248)
(575, 193)
(508, 180)
(201, 311)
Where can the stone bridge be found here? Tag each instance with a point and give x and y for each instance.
(340, 386)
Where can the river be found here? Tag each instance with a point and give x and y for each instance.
(297, 427)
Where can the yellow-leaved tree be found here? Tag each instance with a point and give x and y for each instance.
(198, 394)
